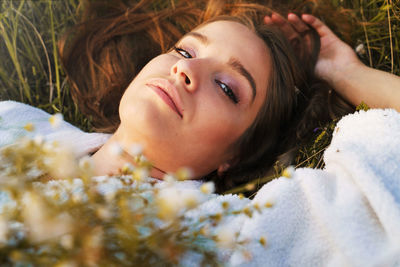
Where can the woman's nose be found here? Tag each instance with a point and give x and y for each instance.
(185, 75)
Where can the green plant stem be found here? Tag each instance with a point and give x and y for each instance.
(56, 66)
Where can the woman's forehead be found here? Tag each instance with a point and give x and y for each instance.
(234, 40)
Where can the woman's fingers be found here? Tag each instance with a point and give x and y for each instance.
(318, 25)
(284, 25)
(297, 23)
(268, 20)
(278, 19)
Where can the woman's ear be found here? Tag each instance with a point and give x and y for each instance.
(223, 168)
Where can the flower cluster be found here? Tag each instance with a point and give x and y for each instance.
(54, 212)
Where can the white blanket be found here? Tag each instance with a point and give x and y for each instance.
(345, 215)
(14, 116)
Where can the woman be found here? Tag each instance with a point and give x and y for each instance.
(205, 143)
(208, 103)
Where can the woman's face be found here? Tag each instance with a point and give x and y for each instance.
(188, 106)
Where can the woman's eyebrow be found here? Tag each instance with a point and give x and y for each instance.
(237, 66)
(202, 38)
(233, 62)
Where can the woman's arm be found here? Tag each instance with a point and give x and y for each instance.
(339, 65)
(357, 82)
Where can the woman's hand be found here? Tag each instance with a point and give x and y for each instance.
(338, 64)
(334, 57)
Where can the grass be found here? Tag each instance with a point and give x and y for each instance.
(30, 69)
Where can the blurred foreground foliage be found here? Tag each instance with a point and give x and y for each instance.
(53, 212)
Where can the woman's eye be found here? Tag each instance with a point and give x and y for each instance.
(183, 52)
(227, 91)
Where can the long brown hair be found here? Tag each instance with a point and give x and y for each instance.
(104, 53)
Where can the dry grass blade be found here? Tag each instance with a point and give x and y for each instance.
(44, 48)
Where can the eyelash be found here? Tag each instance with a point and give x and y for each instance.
(224, 87)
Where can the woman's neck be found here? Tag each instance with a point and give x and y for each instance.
(111, 158)
(106, 161)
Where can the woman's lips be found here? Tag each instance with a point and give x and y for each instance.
(168, 93)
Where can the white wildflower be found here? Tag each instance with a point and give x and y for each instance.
(269, 204)
(205, 230)
(191, 198)
(49, 147)
(3, 231)
(191, 201)
(66, 263)
(169, 203)
(128, 168)
(140, 159)
(250, 187)
(56, 120)
(41, 226)
(62, 164)
(30, 127)
(288, 172)
(140, 173)
(38, 139)
(248, 211)
(184, 173)
(77, 197)
(360, 49)
(104, 213)
(95, 239)
(110, 195)
(67, 241)
(86, 163)
(135, 150)
(116, 149)
(93, 244)
(33, 210)
(226, 237)
(169, 178)
(207, 188)
(263, 241)
(27, 143)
